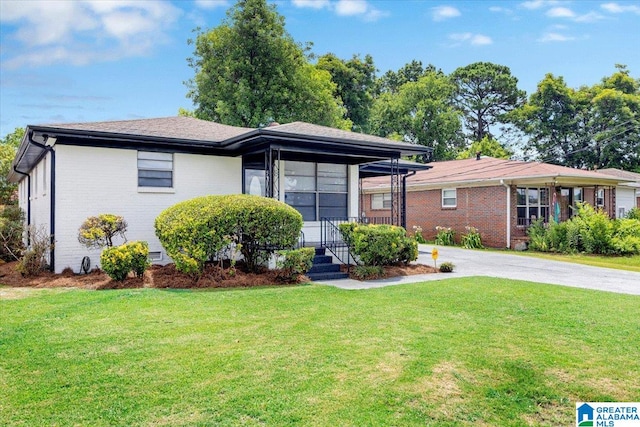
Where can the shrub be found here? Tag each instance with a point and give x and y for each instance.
(417, 234)
(11, 232)
(444, 236)
(368, 272)
(472, 240)
(446, 267)
(99, 231)
(590, 231)
(34, 259)
(198, 230)
(139, 257)
(626, 236)
(118, 261)
(294, 263)
(379, 244)
(634, 213)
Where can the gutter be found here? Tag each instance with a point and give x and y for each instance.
(47, 147)
(15, 169)
(508, 212)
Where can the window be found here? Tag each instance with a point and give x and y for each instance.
(533, 204)
(254, 182)
(578, 195)
(381, 201)
(600, 197)
(316, 190)
(155, 169)
(449, 198)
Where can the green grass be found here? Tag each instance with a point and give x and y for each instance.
(457, 352)
(629, 263)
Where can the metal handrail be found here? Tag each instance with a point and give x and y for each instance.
(331, 237)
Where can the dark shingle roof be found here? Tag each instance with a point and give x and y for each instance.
(183, 128)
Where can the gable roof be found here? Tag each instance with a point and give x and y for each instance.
(491, 171)
(191, 135)
(619, 173)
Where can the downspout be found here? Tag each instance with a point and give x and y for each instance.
(15, 169)
(52, 207)
(404, 198)
(508, 212)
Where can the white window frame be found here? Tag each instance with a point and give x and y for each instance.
(539, 206)
(446, 195)
(600, 197)
(381, 201)
(156, 162)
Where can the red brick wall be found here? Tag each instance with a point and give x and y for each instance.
(480, 207)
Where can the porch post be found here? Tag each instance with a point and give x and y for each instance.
(272, 173)
(395, 192)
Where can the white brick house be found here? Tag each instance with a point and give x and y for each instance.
(137, 168)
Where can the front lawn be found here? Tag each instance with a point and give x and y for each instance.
(629, 263)
(457, 352)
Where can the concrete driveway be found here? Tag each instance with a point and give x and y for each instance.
(504, 265)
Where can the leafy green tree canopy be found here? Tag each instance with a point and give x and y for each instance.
(354, 80)
(484, 93)
(249, 71)
(421, 113)
(8, 146)
(487, 147)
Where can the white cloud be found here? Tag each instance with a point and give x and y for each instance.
(361, 8)
(211, 4)
(498, 9)
(566, 13)
(560, 12)
(555, 37)
(441, 13)
(470, 38)
(84, 31)
(351, 7)
(589, 17)
(617, 8)
(537, 4)
(313, 4)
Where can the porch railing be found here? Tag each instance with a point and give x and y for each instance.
(331, 237)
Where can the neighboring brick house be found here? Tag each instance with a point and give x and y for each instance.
(137, 168)
(627, 194)
(499, 197)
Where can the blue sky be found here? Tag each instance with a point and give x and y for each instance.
(86, 60)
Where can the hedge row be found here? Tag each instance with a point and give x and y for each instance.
(202, 229)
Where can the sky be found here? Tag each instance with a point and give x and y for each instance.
(95, 60)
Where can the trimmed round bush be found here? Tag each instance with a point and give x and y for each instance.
(118, 261)
(199, 230)
(378, 245)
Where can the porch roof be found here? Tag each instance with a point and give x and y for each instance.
(490, 171)
(302, 141)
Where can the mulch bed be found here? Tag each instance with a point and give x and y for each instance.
(167, 276)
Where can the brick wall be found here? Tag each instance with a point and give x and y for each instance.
(480, 207)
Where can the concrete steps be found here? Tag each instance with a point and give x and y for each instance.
(324, 268)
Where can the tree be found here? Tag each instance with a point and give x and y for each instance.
(249, 71)
(549, 120)
(100, 231)
(487, 147)
(485, 92)
(420, 112)
(354, 80)
(592, 127)
(8, 147)
(391, 81)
